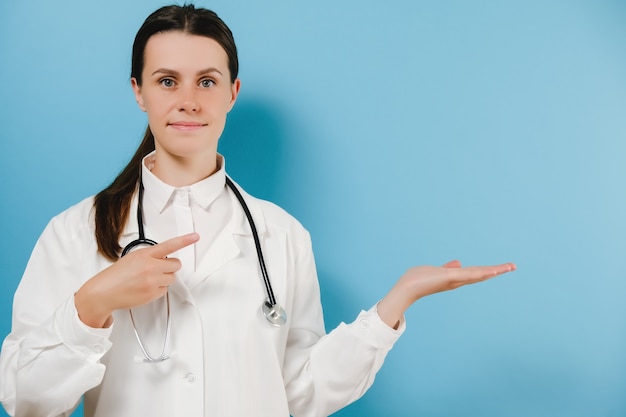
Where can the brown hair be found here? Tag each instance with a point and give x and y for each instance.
(112, 205)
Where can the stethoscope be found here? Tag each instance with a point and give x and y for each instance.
(272, 311)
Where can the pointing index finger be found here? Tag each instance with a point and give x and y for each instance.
(170, 246)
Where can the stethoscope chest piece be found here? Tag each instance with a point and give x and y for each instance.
(274, 314)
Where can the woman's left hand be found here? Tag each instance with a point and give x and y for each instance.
(421, 281)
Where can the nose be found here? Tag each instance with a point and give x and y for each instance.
(188, 101)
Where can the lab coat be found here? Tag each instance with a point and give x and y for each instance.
(225, 359)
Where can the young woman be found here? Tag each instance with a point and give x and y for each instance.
(223, 317)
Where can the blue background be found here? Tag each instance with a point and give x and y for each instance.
(400, 133)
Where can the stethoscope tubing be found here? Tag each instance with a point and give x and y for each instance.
(142, 237)
(257, 243)
(142, 240)
(273, 312)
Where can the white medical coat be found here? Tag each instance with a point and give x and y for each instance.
(226, 360)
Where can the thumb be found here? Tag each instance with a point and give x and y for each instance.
(452, 264)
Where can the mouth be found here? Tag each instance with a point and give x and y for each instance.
(186, 126)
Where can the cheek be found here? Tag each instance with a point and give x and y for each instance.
(225, 103)
(156, 106)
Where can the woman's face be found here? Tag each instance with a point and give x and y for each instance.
(186, 92)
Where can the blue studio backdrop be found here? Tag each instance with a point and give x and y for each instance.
(399, 133)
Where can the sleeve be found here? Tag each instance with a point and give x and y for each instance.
(50, 358)
(325, 372)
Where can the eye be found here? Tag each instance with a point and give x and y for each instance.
(206, 83)
(167, 82)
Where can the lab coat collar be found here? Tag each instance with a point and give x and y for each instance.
(160, 194)
(238, 223)
(226, 246)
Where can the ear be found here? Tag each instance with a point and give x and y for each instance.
(137, 91)
(234, 92)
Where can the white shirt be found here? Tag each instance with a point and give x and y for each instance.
(226, 360)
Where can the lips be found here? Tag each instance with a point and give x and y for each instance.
(186, 125)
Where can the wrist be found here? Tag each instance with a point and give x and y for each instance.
(89, 312)
(392, 307)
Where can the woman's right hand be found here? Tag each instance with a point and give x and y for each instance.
(139, 277)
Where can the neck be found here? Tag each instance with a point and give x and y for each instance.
(180, 171)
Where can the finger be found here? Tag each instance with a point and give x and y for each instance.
(478, 273)
(172, 245)
(169, 265)
(167, 280)
(165, 275)
(452, 264)
(503, 268)
(494, 269)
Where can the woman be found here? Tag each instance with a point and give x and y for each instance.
(90, 322)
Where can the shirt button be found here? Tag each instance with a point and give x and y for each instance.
(190, 377)
(364, 324)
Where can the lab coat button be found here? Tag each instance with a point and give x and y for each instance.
(97, 349)
(190, 377)
(364, 324)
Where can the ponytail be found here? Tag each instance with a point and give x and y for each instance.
(112, 205)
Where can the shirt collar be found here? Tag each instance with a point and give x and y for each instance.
(203, 192)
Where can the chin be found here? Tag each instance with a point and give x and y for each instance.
(191, 151)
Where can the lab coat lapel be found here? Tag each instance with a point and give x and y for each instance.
(241, 226)
(224, 249)
(227, 245)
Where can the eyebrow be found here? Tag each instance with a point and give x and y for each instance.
(201, 72)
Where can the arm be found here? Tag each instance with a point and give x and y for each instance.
(61, 320)
(50, 358)
(324, 374)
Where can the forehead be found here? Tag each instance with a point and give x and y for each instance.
(180, 51)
